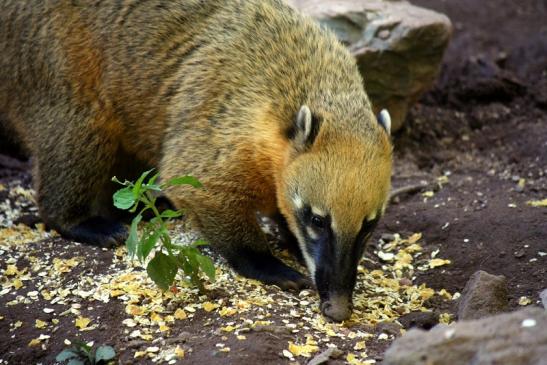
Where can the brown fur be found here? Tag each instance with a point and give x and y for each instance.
(209, 88)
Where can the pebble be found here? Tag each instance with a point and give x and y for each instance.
(390, 328)
(384, 34)
(423, 320)
(530, 322)
(543, 297)
(519, 253)
(405, 282)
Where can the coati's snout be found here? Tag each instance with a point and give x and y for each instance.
(332, 258)
(338, 308)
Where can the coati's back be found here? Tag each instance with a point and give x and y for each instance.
(116, 57)
(132, 58)
(266, 108)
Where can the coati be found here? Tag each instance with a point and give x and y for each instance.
(262, 105)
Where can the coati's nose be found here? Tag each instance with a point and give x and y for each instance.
(337, 308)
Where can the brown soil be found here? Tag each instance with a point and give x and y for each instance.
(484, 127)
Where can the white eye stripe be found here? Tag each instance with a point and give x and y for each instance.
(318, 211)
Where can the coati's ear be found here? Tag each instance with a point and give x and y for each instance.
(385, 120)
(305, 128)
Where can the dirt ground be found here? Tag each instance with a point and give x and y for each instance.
(478, 143)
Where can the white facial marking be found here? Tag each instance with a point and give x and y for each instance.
(318, 211)
(372, 216)
(312, 233)
(298, 202)
(310, 263)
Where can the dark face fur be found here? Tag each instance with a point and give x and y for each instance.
(332, 257)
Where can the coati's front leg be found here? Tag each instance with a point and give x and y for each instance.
(233, 230)
(287, 239)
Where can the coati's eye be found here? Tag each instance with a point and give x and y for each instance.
(318, 222)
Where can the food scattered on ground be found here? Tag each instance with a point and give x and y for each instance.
(67, 285)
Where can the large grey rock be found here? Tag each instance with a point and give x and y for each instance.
(518, 338)
(398, 46)
(483, 295)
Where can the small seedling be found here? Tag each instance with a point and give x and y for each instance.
(169, 257)
(82, 354)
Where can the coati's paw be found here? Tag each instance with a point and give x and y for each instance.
(270, 270)
(98, 231)
(297, 284)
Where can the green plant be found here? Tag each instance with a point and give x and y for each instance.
(169, 257)
(80, 354)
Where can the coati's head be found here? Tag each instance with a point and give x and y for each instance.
(334, 191)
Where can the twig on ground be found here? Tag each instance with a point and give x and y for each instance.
(278, 330)
(409, 189)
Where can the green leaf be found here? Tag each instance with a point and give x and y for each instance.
(138, 183)
(166, 240)
(185, 180)
(207, 266)
(124, 198)
(66, 354)
(151, 183)
(191, 255)
(104, 353)
(169, 213)
(133, 237)
(82, 346)
(185, 264)
(154, 187)
(148, 243)
(75, 362)
(162, 270)
(199, 243)
(152, 180)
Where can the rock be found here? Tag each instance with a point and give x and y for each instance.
(398, 46)
(325, 356)
(391, 328)
(543, 297)
(423, 320)
(518, 338)
(483, 295)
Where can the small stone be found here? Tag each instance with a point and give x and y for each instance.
(422, 320)
(543, 297)
(529, 322)
(405, 282)
(387, 237)
(519, 253)
(483, 295)
(391, 328)
(384, 34)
